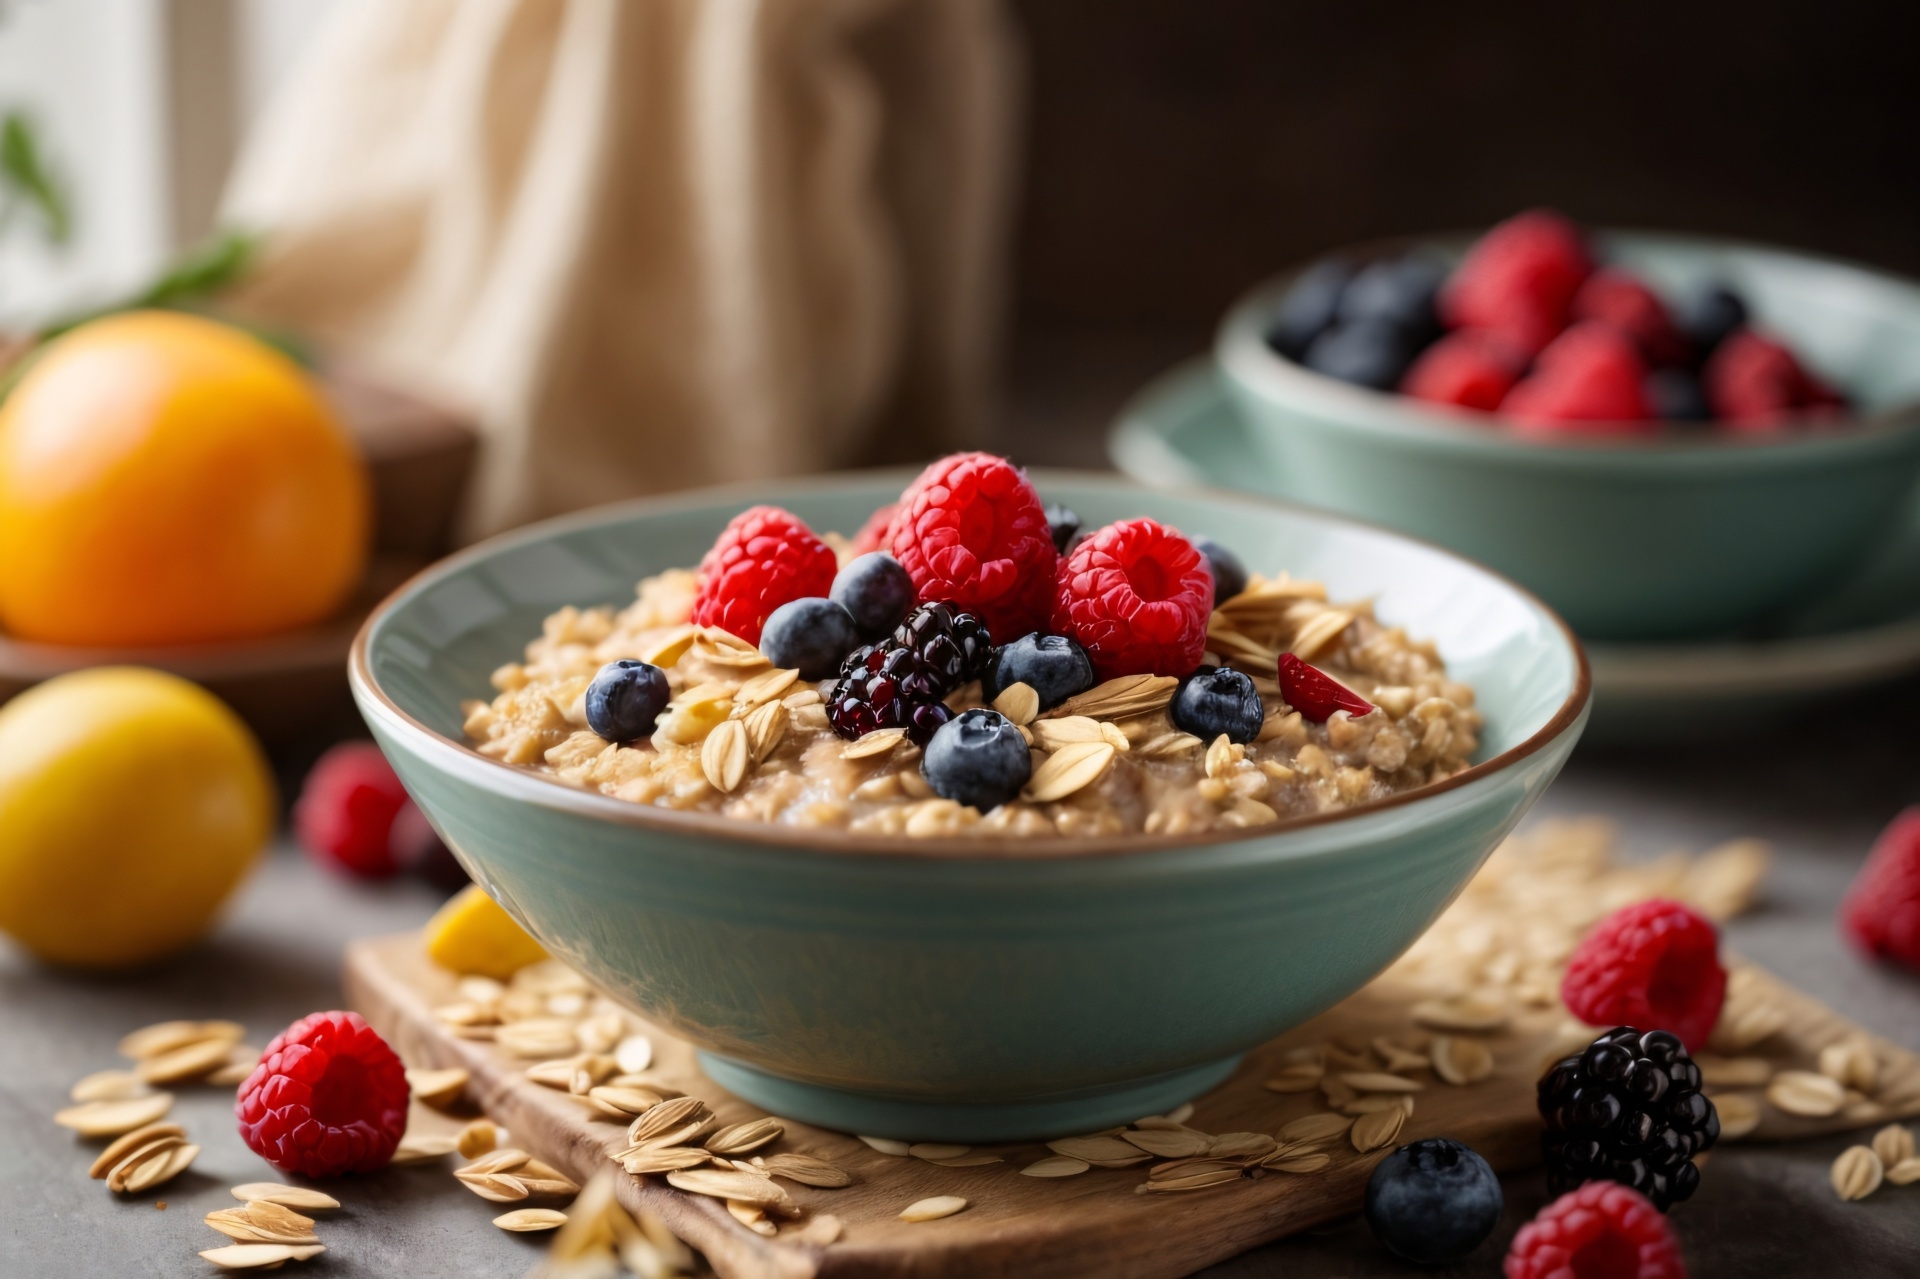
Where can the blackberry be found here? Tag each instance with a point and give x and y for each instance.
(902, 681)
(1628, 1109)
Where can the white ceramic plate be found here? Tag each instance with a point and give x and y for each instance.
(1181, 430)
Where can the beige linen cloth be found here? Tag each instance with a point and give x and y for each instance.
(655, 243)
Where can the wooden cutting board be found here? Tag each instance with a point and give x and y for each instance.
(1086, 1225)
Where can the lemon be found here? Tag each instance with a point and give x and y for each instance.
(471, 934)
(131, 804)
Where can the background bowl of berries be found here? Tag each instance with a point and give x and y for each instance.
(1666, 437)
(977, 986)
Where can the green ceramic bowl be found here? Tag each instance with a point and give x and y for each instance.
(1683, 537)
(955, 990)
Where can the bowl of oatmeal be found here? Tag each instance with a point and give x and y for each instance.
(943, 880)
(1568, 466)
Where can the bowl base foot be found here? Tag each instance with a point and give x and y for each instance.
(1040, 1118)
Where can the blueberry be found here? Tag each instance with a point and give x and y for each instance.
(1065, 524)
(1053, 665)
(1708, 315)
(1371, 353)
(1308, 307)
(1215, 700)
(978, 758)
(1229, 574)
(811, 636)
(1396, 291)
(875, 590)
(1433, 1201)
(1676, 396)
(625, 698)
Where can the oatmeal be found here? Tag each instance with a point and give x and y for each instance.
(745, 738)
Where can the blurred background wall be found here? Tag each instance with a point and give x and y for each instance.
(1176, 150)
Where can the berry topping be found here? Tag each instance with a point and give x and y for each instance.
(1623, 302)
(1589, 374)
(1373, 353)
(1229, 574)
(1136, 596)
(1600, 1231)
(1215, 700)
(1433, 1201)
(1051, 665)
(979, 758)
(1675, 395)
(971, 531)
(1882, 909)
(1474, 368)
(1064, 523)
(765, 557)
(1316, 694)
(875, 591)
(1308, 308)
(900, 682)
(1709, 316)
(877, 533)
(1752, 381)
(1628, 1109)
(625, 699)
(1655, 963)
(1395, 291)
(328, 1097)
(347, 809)
(812, 636)
(1519, 280)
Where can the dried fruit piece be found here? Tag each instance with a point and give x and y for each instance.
(1315, 694)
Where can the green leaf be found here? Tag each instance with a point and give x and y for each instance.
(196, 274)
(25, 176)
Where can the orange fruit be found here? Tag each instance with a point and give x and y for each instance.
(166, 479)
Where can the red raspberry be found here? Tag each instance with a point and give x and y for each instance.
(971, 533)
(1519, 280)
(1601, 1231)
(765, 558)
(346, 810)
(1753, 383)
(1136, 596)
(1474, 368)
(1655, 965)
(328, 1097)
(1590, 375)
(1316, 694)
(1621, 301)
(1882, 909)
(877, 533)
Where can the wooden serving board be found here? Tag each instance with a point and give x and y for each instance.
(1086, 1225)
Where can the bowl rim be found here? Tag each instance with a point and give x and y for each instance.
(551, 792)
(1241, 351)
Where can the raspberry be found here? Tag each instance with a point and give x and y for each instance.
(1755, 383)
(347, 808)
(1654, 964)
(1136, 596)
(328, 1097)
(764, 558)
(1519, 280)
(1316, 694)
(1621, 301)
(1590, 375)
(1882, 909)
(972, 533)
(876, 534)
(1474, 368)
(1600, 1231)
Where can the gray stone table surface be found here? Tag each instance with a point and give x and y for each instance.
(1760, 1209)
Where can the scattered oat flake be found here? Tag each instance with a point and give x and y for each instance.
(805, 1169)
(1471, 1013)
(112, 1118)
(1378, 1081)
(477, 1138)
(437, 1088)
(633, 1054)
(164, 1037)
(259, 1256)
(1905, 1173)
(187, 1062)
(1460, 1060)
(1739, 1115)
(933, 1209)
(1894, 1144)
(422, 1149)
(1068, 770)
(931, 1150)
(287, 1196)
(1801, 1092)
(888, 1146)
(1315, 1127)
(125, 1144)
(1371, 1132)
(1857, 1173)
(1312, 1161)
(1056, 1166)
(109, 1085)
